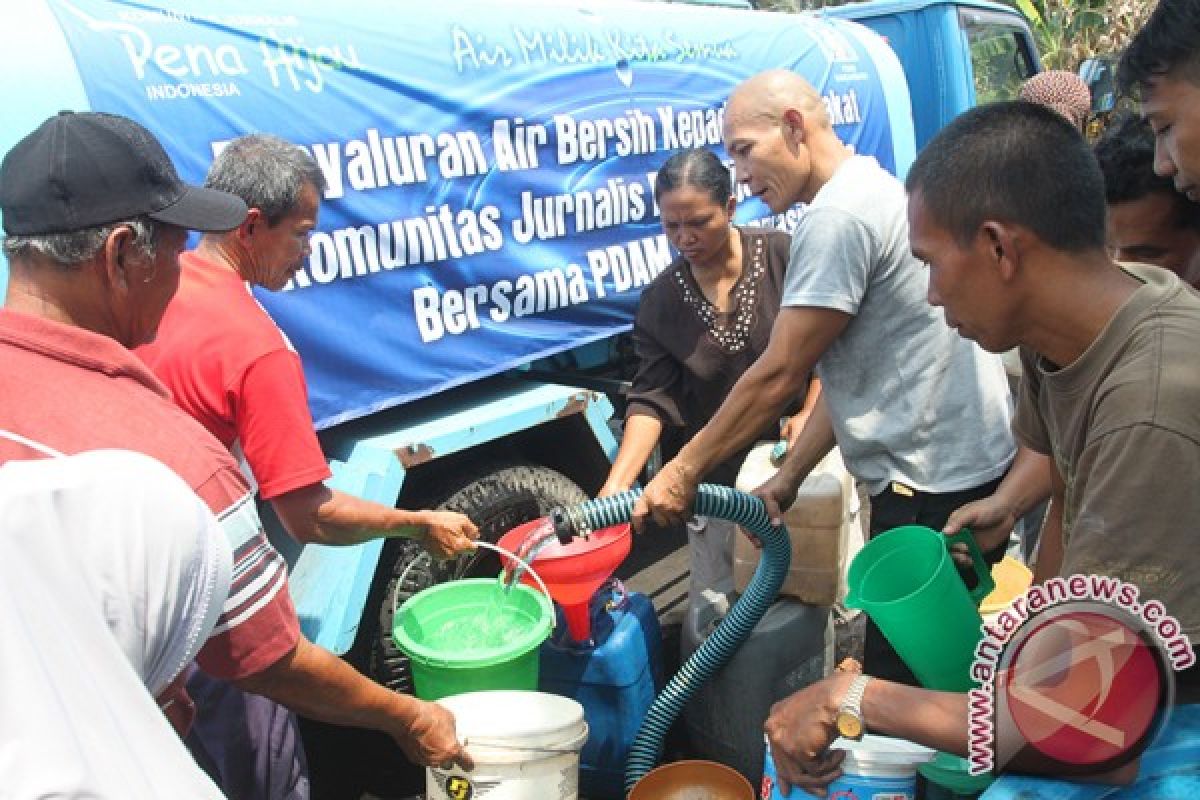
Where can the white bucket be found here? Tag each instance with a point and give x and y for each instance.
(879, 766)
(525, 746)
(875, 767)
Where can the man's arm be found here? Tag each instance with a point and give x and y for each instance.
(813, 443)
(801, 727)
(313, 682)
(257, 644)
(276, 434)
(795, 423)
(798, 338)
(1029, 481)
(320, 515)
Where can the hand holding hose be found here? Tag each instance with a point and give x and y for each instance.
(778, 494)
(668, 498)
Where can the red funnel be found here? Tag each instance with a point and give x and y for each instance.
(572, 572)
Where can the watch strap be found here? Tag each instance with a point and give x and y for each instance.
(852, 702)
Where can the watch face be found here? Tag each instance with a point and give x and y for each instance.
(849, 725)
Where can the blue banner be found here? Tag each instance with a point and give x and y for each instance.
(489, 165)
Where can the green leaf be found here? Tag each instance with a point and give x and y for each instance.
(1031, 12)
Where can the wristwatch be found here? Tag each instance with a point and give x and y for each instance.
(849, 719)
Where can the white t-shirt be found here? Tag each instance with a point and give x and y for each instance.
(911, 400)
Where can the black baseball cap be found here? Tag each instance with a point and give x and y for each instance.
(82, 170)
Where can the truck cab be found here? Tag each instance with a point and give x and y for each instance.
(956, 54)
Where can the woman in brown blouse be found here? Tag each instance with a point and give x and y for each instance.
(699, 326)
(703, 321)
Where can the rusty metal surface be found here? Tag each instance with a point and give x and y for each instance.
(414, 454)
(576, 404)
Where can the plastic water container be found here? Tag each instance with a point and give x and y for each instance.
(615, 680)
(1012, 580)
(710, 580)
(875, 767)
(790, 648)
(525, 746)
(820, 523)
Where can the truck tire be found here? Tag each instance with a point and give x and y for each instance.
(497, 502)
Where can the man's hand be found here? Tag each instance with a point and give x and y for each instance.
(778, 494)
(668, 498)
(431, 740)
(448, 534)
(800, 729)
(991, 521)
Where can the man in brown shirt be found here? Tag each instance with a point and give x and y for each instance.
(1110, 390)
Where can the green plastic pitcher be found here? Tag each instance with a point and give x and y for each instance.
(906, 581)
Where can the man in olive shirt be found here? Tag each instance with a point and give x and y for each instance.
(1110, 391)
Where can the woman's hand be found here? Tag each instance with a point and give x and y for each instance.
(610, 488)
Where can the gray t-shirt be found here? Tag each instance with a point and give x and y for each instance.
(911, 400)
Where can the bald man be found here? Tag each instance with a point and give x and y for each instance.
(921, 414)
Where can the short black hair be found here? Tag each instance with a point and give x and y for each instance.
(1169, 42)
(1126, 155)
(699, 168)
(1017, 162)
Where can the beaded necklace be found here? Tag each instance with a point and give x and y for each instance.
(730, 330)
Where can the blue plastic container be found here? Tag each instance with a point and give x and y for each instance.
(615, 680)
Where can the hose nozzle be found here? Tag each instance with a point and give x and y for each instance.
(566, 525)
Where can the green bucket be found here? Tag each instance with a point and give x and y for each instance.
(472, 635)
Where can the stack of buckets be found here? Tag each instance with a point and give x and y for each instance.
(528, 743)
(473, 647)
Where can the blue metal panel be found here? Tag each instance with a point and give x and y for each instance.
(459, 425)
(917, 33)
(900, 116)
(881, 7)
(959, 79)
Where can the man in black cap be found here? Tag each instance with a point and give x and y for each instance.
(96, 217)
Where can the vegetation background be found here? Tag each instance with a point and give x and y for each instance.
(1067, 31)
